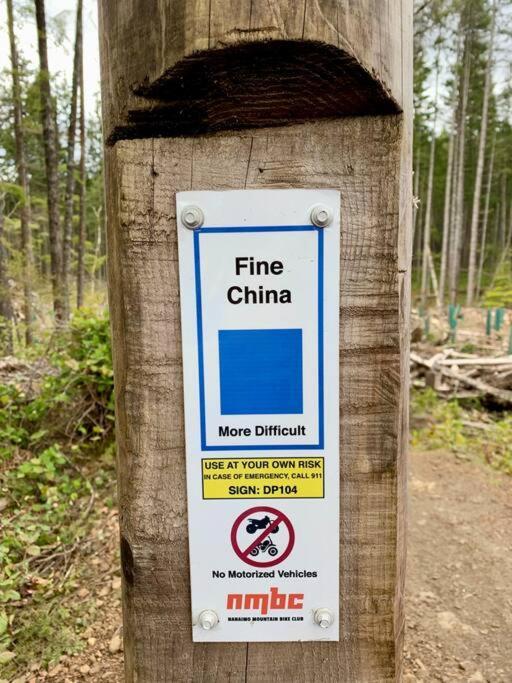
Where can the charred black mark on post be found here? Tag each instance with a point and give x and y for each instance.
(127, 561)
(253, 85)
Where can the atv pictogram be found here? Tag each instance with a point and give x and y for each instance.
(266, 546)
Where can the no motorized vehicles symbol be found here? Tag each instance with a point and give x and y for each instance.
(262, 536)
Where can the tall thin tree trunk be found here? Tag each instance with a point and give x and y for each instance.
(97, 248)
(453, 206)
(459, 198)
(80, 279)
(446, 212)
(70, 165)
(433, 277)
(6, 311)
(23, 182)
(428, 209)
(498, 248)
(475, 215)
(485, 219)
(416, 191)
(506, 233)
(503, 220)
(427, 224)
(43, 247)
(419, 238)
(448, 190)
(495, 239)
(509, 234)
(51, 162)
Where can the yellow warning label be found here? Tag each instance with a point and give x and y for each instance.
(225, 478)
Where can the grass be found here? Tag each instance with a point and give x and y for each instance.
(45, 633)
(461, 428)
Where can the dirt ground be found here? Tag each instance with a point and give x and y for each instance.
(459, 601)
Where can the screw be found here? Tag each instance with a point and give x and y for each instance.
(192, 217)
(208, 619)
(324, 617)
(321, 216)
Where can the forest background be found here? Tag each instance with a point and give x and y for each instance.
(52, 233)
(56, 407)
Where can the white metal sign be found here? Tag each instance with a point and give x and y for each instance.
(259, 289)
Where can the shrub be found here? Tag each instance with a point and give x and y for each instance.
(54, 453)
(75, 398)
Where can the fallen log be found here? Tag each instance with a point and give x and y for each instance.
(504, 360)
(439, 367)
(503, 395)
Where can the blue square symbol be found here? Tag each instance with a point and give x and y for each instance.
(260, 372)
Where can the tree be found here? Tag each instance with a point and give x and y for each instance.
(485, 219)
(6, 312)
(427, 256)
(50, 140)
(480, 166)
(80, 280)
(458, 212)
(22, 176)
(448, 195)
(70, 164)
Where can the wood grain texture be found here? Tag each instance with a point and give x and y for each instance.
(184, 67)
(362, 157)
(404, 269)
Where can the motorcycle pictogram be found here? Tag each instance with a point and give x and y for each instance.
(263, 523)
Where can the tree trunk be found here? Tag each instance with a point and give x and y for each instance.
(433, 277)
(428, 210)
(416, 193)
(80, 273)
(459, 198)
(418, 244)
(503, 219)
(150, 157)
(95, 270)
(43, 247)
(475, 215)
(485, 219)
(446, 219)
(508, 241)
(495, 240)
(70, 166)
(52, 165)
(448, 205)
(23, 181)
(6, 311)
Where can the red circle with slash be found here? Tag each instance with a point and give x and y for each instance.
(246, 555)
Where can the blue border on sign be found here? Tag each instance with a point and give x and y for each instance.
(199, 315)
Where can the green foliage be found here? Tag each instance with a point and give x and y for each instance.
(45, 633)
(49, 471)
(499, 294)
(469, 347)
(75, 399)
(444, 427)
(470, 431)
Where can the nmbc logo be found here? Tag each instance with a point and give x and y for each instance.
(265, 601)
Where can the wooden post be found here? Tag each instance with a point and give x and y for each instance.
(232, 95)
